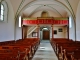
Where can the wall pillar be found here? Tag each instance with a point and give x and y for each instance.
(24, 32)
(38, 31)
(52, 31)
(68, 31)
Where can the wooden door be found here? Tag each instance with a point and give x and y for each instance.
(46, 34)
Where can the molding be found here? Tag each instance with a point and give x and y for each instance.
(70, 8)
(55, 10)
(7, 10)
(34, 10)
(73, 16)
(60, 3)
(19, 8)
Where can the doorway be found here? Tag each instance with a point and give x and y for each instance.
(46, 34)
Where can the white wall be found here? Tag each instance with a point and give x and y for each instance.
(59, 34)
(72, 32)
(78, 23)
(7, 27)
(51, 14)
(18, 31)
(65, 32)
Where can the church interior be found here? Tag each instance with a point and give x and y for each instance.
(39, 30)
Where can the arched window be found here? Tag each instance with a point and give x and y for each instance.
(3, 11)
(19, 21)
(70, 22)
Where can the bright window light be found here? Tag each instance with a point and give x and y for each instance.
(2, 12)
(45, 28)
(70, 22)
(19, 21)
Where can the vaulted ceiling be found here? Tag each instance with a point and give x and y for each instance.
(56, 8)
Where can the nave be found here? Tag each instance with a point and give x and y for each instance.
(45, 51)
(35, 49)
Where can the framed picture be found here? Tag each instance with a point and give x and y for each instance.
(55, 31)
(34, 34)
(60, 30)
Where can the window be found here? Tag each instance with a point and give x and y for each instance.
(1, 12)
(19, 21)
(70, 22)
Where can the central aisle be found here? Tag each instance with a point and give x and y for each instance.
(45, 52)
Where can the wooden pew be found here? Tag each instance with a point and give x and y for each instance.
(7, 42)
(30, 43)
(59, 43)
(7, 54)
(17, 50)
(76, 55)
(69, 49)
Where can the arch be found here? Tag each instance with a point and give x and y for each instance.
(78, 22)
(4, 14)
(1, 12)
(42, 29)
(68, 9)
(60, 4)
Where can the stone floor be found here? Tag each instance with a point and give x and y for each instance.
(45, 52)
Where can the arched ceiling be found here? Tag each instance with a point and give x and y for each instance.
(53, 8)
(47, 5)
(60, 8)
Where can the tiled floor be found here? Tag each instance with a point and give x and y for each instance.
(45, 52)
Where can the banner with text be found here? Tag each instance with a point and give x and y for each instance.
(45, 21)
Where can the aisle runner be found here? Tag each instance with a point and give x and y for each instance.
(45, 52)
